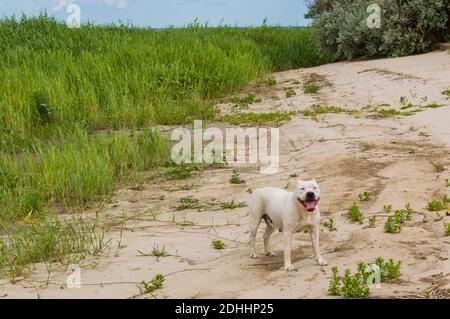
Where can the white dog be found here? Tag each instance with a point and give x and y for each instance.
(289, 213)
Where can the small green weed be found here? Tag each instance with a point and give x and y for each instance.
(310, 88)
(271, 82)
(435, 205)
(231, 204)
(372, 221)
(235, 179)
(188, 203)
(438, 167)
(243, 103)
(392, 112)
(322, 109)
(218, 244)
(447, 229)
(272, 118)
(391, 227)
(354, 214)
(357, 285)
(330, 225)
(148, 287)
(402, 215)
(289, 92)
(387, 209)
(365, 196)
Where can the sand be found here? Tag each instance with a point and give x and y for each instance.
(347, 153)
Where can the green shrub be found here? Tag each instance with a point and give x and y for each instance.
(407, 27)
(355, 285)
(354, 214)
(447, 229)
(391, 226)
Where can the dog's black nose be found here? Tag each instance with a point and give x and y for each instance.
(310, 196)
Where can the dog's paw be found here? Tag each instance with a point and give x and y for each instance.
(322, 262)
(290, 268)
(252, 255)
(270, 254)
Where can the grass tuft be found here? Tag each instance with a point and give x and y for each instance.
(50, 240)
(149, 287)
(218, 244)
(354, 214)
(310, 88)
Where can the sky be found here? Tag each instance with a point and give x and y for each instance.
(163, 13)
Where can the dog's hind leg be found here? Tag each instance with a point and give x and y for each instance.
(269, 231)
(254, 225)
(256, 212)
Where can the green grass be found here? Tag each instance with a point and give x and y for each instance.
(354, 214)
(75, 105)
(392, 112)
(393, 224)
(194, 203)
(391, 227)
(257, 119)
(235, 179)
(78, 173)
(356, 285)
(243, 103)
(188, 203)
(310, 88)
(330, 224)
(270, 82)
(231, 204)
(438, 167)
(438, 205)
(432, 106)
(289, 92)
(446, 229)
(218, 244)
(149, 287)
(50, 240)
(113, 77)
(402, 215)
(322, 109)
(365, 196)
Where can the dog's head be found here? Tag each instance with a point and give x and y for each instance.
(308, 194)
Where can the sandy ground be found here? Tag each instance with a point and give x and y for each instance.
(348, 154)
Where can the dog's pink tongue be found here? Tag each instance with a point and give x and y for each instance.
(310, 206)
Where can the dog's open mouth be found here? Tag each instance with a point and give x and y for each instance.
(309, 205)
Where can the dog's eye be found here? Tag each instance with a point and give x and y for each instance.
(315, 187)
(302, 189)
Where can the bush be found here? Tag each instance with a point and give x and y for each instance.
(410, 27)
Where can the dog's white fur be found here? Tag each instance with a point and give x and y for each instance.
(286, 212)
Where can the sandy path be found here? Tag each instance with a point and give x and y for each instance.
(348, 154)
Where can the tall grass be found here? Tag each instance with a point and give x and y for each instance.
(113, 77)
(76, 173)
(61, 89)
(52, 240)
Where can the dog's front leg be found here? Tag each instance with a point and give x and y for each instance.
(314, 232)
(287, 240)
